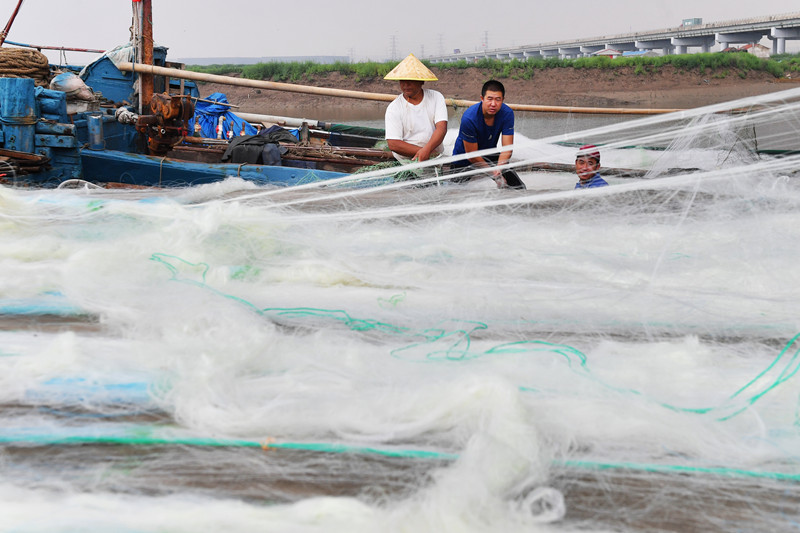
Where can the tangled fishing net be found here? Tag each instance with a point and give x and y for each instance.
(364, 353)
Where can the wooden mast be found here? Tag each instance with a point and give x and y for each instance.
(146, 78)
(4, 34)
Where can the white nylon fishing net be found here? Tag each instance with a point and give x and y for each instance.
(364, 354)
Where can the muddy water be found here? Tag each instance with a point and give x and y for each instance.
(531, 125)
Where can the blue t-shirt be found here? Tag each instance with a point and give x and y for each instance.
(594, 181)
(474, 129)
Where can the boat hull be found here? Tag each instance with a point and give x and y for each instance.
(113, 167)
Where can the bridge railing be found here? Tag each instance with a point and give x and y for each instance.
(788, 20)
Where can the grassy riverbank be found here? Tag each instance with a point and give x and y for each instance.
(718, 64)
(665, 82)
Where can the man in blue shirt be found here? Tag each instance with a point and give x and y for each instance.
(587, 164)
(483, 126)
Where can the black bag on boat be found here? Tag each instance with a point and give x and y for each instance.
(261, 149)
(251, 149)
(277, 134)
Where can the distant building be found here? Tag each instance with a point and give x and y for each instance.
(608, 52)
(691, 22)
(758, 50)
(640, 53)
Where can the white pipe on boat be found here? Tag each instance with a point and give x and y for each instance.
(259, 84)
(273, 119)
(344, 93)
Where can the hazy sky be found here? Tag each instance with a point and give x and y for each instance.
(258, 28)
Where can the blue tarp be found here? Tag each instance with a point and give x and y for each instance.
(207, 114)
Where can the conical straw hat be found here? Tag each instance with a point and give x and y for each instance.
(411, 68)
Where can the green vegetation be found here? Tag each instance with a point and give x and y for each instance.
(719, 64)
(293, 72)
(714, 62)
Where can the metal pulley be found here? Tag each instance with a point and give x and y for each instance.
(168, 123)
(171, 108)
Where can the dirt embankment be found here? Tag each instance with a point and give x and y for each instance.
(668, 88)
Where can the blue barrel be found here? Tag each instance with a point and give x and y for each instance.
(18, 113)
(94, 126)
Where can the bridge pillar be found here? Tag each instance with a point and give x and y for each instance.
(779, 37)
(532, 53)
(589, 50)
(664, 44)
(682, 44)
(743, 37)
(571, 51)
(622, 47)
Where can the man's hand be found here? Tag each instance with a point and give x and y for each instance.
(423, 154)
(498, 178)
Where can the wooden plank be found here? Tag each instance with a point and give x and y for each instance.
(23, 156)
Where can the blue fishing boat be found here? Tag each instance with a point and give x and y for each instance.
(110, 127)
(95, 147)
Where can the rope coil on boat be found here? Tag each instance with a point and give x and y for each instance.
(25, 63)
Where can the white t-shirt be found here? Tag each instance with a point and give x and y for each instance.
(415, 124)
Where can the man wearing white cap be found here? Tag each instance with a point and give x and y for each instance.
(587, 165)
(416, 121)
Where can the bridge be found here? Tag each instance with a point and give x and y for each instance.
(680, 40)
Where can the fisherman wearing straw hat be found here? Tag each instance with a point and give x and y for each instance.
(416, 121)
